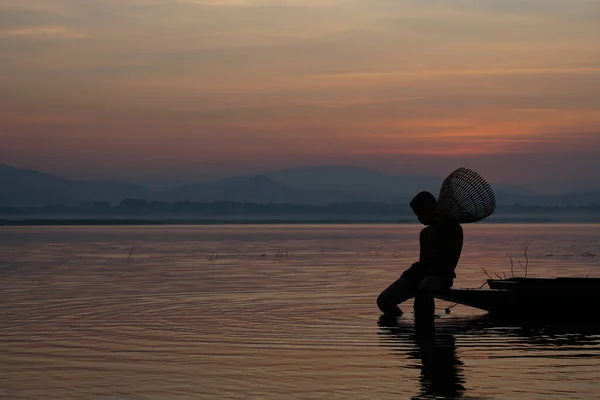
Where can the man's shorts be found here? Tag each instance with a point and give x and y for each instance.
(417, 273)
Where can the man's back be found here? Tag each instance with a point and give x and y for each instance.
(440, 248)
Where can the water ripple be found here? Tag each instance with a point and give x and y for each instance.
(147, 313)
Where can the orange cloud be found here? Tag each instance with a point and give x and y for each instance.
(43, 32)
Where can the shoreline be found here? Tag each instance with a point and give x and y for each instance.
(261, 221)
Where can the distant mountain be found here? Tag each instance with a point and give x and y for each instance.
(310, 185)
(263, 189)
(356, 180)
(24, 187)
(323, 184)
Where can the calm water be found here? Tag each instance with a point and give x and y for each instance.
(222, 312)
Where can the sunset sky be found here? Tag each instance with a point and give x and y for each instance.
(143, 90)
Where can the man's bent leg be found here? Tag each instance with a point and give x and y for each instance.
(393, 295)
(424, 302)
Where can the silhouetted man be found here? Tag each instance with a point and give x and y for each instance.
(440, 247)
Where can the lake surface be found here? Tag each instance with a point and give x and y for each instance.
(277, 312)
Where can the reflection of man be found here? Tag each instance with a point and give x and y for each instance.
(440, 246)
(442, 373)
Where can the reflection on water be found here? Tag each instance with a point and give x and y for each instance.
(283, 312)
(441, 370)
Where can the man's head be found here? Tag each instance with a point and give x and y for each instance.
(423, 206)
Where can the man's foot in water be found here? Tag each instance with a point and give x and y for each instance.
(389, 318)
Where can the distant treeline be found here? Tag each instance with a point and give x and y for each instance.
(227, 208)
(528, 209)
(217, 208)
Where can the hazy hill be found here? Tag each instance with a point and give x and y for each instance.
(309, 185)
(263, 189)
(355, 179)
(23, 187)
(360, 180)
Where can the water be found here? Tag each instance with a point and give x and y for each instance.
(276, 312)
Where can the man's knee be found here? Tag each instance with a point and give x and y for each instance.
(430, 285)
(392, 295)
(385, 301)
